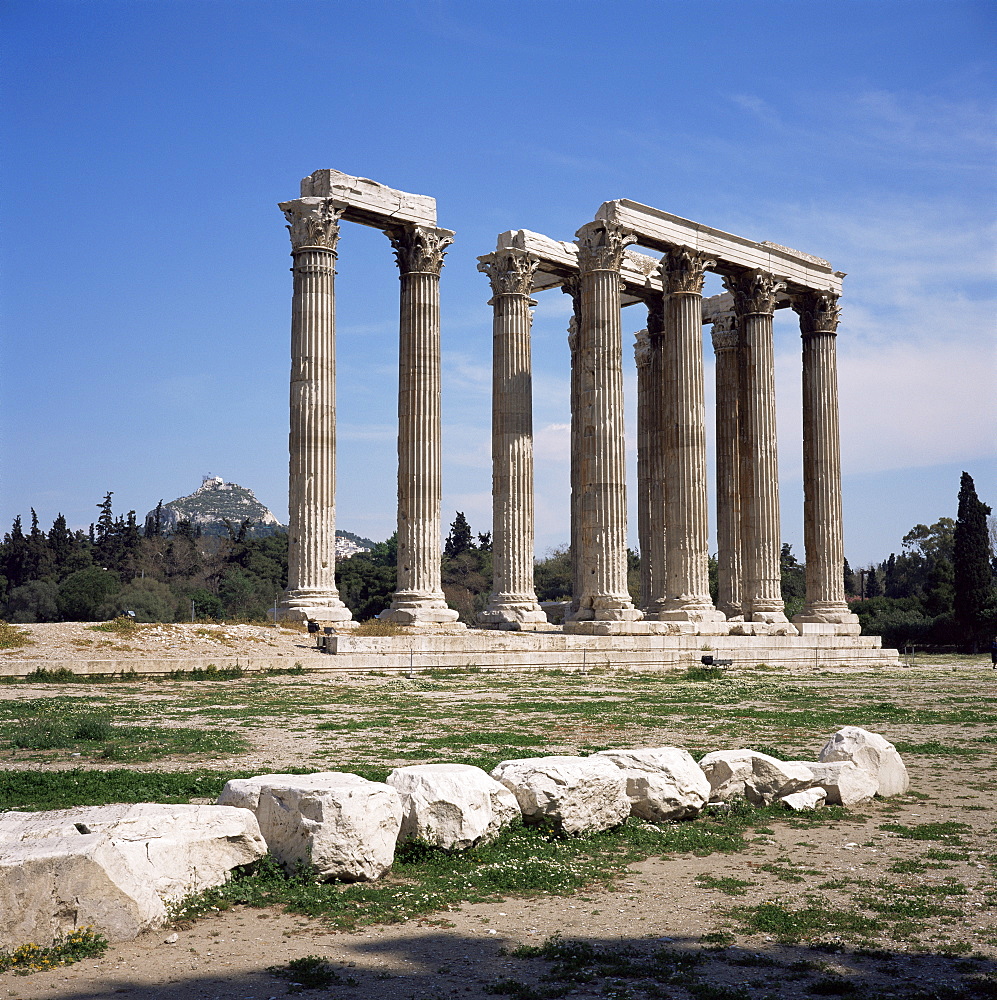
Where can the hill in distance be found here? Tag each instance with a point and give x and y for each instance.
(215, 502)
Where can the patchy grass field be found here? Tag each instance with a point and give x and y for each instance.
(897, 899)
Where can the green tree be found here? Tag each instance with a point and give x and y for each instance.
(552, 575)
(83, 592)
(35, 601)
(150, 600)
(793, 577)
(972, 577)
(873, 586)
(460, 538)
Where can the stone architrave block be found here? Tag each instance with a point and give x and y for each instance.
(115, 867)
(344, 825)
(761, 779)
(577, 794)
(663, 783)
(845, 783)
(808, 798)
(454, 806)
(873, 753)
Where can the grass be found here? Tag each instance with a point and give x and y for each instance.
(88, 729)
(374, 626)
(522, 861)
(813, 920)
(309, 973)
(65, 950)
(209, 673)
(948, 831)
(12, 637)
(122, 625)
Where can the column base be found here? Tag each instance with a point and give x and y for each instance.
(832, 620)
(302, 604)
(514, 616)
(695, 610)
(408, 608)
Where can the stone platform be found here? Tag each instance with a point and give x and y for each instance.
(495, 650)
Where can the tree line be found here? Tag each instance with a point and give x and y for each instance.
(938, 590)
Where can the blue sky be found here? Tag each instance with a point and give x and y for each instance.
(145, 285)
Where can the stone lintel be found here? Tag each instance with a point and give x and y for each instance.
(660, 230)
(370, 203)
(559, 260)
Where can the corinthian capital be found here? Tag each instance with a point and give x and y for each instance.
(418, 248)
(725, 332)
(601, 246)
(682, 270)
(819, 312)
(753, 291)
(642, 349)
(509, 271)
(313, 222)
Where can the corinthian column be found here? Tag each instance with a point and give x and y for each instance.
(311, 575)
(572, 287)
(513, 602)
(603, 506)
(686, 494)
(822, 522)
(652, 529)
(728, 481)
(754, 301)
(419, 598)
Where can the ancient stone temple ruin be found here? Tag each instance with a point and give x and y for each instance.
(603, 275)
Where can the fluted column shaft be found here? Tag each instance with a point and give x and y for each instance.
(754, 301)
(822, 516)
(642, 356)
(572, 287)
(651, 470)
(311, 587)
(603, 513)
(419, 598)
(513, 602)
(725, 344)
(687, 592)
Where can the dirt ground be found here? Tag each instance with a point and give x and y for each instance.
(464, 952)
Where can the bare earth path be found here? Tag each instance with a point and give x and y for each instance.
(935, 863)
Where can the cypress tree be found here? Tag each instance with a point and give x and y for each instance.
(973, 583)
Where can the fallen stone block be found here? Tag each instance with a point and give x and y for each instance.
(342, 824)
(871, 752)
(663, 783)
(114, 867)
(808, 798)
(576, 794)
(761, 779)
(844, 782)
(454, 806)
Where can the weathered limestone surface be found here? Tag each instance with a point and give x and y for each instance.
(725, 347)
(513, 601)
(311, 583)
(822, 518)
(845, 783)
(684, 421)
(871, 752)
(663, 783)
(807, 798)
(419, 598)
(578, 794)
(601, 506)
(344, 825)
(369, 203)
(754, 300)
(454, 806)
(113, 867)
(761, 779)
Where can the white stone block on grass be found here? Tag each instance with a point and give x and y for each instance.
(756, 776)
(454, 806)
(115, 868)
(871, 752)
(663, 783)
(342, 824)
(808, 798)
(843, 781)
(576, 794)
